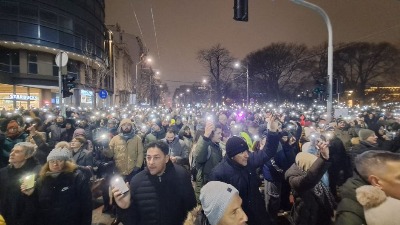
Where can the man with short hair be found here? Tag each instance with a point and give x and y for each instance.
(14, 205)
(178, 151)
(377, 168)
(160, 194)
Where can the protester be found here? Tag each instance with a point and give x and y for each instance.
(220, 205)
(15, 207)
(160, 194)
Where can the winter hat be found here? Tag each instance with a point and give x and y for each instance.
(378, 208)
(215, 197)
(158, 123)
(59, 154)
(305, 160)
(235, 145)
(365, 133)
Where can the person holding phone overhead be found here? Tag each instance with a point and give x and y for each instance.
(14, 206)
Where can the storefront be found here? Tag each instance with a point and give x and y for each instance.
(23, 97)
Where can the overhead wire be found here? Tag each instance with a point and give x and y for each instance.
(138, 23)
(154, 29)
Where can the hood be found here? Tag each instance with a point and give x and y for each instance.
(124, 121)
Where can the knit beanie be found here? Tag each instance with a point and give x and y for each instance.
(215, 197)
(59, 154)
(363, 134)
(379, 209)
(235, 145)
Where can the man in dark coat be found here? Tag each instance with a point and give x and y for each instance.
(16, 207)
(238, 168)
(160, 194)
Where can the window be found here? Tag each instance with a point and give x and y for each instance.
(47, 17)
(9, 61)
(29, 11)
(73, 68)
(32, 63)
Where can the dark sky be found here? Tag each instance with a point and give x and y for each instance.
(183, 27)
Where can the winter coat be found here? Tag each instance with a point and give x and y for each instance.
(7, 146)
(177, 148)
(349, 210)
(310, 209)
(274, 169)
(43, 149)
(83, 158)
(64, 200)
(164, 199)
(196, 217)
(56, 132)
(127, 154)
(360, 148)
(16, 207)
(207, 155)
(246, 181)
(344, 136)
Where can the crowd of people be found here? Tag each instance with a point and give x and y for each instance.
(198, 165)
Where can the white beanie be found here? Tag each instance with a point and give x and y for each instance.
(215, 197)
(59, 154)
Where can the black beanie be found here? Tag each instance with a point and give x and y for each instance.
(235, 145)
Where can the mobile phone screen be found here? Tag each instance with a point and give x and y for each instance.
(119, 183)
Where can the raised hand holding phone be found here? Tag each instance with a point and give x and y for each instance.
(323, 149)
(120, 191)
(209, 129)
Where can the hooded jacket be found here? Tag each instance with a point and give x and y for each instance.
(127, 153)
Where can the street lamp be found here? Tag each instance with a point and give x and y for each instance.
(330, 50)
(237, 65)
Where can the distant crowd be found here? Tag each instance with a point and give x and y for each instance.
(223, 165)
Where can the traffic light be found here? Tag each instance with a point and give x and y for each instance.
(240, 10)
(68, 83)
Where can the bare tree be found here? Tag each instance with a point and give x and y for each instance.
(360, 64)
(278, 68)
(218, 61)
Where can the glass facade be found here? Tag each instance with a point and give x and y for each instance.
(75, 26)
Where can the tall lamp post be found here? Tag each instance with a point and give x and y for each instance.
(237, 65)
(330, 50)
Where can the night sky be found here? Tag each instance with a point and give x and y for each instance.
(183, 27)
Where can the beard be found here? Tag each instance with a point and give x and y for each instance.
(126, 131)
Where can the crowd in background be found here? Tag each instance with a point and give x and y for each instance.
(285, 162)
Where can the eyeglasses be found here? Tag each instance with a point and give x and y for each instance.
(57, 161)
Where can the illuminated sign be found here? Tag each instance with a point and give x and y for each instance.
(24, 97)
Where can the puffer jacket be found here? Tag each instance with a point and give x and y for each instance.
(127, 154)
(246, 181)
(157, 200)
(65, 199)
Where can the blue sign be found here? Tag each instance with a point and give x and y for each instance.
(103, 94)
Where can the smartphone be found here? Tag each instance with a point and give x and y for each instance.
(119, 183)
(29, 181)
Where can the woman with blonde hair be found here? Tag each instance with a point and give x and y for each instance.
(63, 196)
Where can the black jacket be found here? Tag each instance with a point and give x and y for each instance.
(164, 199)
(246, 181)
(64, 200)
(16, 208)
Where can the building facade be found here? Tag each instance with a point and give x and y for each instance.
(32, 32)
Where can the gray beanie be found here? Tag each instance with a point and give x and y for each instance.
(215, 197)
(363, 134)
(59, 154)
